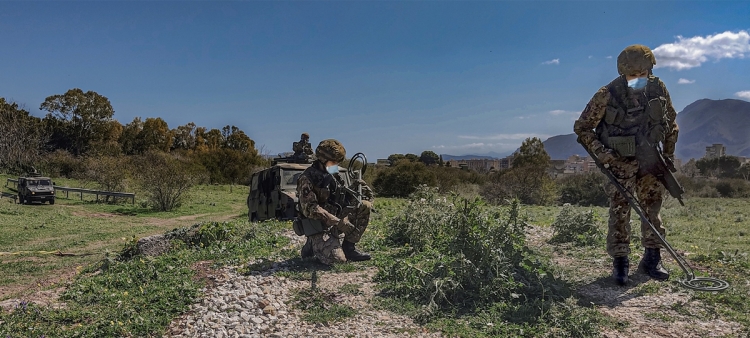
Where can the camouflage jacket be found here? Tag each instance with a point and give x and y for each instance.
(595, 110)
(302, 147)
(314, 188)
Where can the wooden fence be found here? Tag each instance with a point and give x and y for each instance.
(68, 190)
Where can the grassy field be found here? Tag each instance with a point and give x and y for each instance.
(90, 229)
(106, 296)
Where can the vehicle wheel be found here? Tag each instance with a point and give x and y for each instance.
(20, 199)
(52, 202)
(253, 217)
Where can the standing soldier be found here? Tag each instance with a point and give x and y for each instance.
(302, 149)
(317, 189)
(632, 111)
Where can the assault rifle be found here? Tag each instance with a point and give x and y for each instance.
(650, 157)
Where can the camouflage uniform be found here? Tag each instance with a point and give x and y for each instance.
(314, 188)
(633, 177)
(302, 149)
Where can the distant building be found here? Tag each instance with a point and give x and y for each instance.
(716, 150)
(383, 162)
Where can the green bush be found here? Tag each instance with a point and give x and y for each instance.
(402, 179)
(459, 255)
(584, 189)
(580, 228)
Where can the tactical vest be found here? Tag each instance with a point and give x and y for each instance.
(633, 119)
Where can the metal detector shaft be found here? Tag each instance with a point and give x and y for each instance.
(637, 207)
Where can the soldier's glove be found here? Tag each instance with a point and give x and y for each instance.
(607, 157)
(344, 226)
(367, 204)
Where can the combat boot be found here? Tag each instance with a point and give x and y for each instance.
(307, 250)
(651, 265)
(352, 254)
(621, 268)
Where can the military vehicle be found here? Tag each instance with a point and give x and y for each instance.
(35, 188)
(273, 191)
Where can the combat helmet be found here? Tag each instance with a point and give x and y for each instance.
(635, 58)
(330, 150)
(305, 136)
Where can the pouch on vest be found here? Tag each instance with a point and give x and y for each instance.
(613, 115)
(624, 145)
(307, 227)
(656, 109)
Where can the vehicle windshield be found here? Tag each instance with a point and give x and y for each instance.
(289, 178)
(39, 182)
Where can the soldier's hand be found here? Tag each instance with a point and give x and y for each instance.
(367, 204)
(345, 225)
(607, 157)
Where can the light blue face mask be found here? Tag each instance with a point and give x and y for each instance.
(638, 83)
(333, 169)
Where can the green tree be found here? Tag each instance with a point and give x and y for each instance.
(429, 157)
(22, 138)
(155, 135)
(707, 166)
(728, 166)
(527, 180)
(184, 137)
(130, 140)
(77, 119)
(393, 158)
(531, 155)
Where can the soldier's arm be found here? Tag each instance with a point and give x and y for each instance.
(308, 203)
(589, 119)
(670, 137)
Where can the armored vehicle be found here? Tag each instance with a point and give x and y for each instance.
(35, 188)
(273, 191)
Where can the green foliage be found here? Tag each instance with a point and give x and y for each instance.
(584, 189)
(21, 138)
(529, 185)
(139, 296)
(165, 179)
(721, 167)
(577, 228)
(527, 180)
(429, 157)
(452, 179)
(320, 306)
(459, 256)
(78, 120)
(402, 179)
(723, 187)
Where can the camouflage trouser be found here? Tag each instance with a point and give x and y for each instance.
(327, 245)
(649, 192)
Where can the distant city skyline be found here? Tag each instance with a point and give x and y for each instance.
(382, 77)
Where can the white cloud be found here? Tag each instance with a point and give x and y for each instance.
(559, 112)
(688, 53)
(609, 56)
(591, 56)
(743, 94)
(685, 81)
(552, 62)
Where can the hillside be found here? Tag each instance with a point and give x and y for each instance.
(702, 123)
(705, 122)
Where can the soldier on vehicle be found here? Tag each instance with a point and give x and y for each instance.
(302, 149)
(317, 189)
(630, 113)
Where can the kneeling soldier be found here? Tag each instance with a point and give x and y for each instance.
(317, 188)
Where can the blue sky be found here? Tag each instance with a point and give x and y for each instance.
(383, 77)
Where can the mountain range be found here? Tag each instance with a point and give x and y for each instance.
(702, 123)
